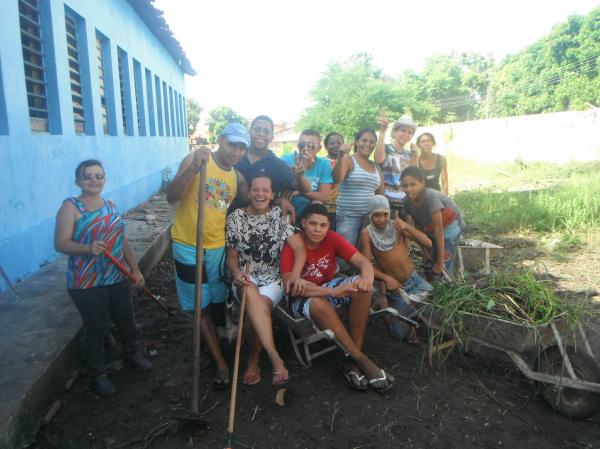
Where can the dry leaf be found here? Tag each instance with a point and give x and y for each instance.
(279, 398)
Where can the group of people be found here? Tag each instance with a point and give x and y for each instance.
(269, 230)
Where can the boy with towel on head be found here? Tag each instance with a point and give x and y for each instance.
(385, 242)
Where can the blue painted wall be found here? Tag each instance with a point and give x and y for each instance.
(37, 169)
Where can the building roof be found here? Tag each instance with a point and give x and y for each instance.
(288, 134)
(154, 20)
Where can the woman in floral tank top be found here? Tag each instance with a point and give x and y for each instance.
(88, 226)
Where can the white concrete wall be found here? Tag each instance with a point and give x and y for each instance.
(557, 137)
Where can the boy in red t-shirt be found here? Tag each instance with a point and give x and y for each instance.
(323, 292)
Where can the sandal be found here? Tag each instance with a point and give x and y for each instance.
(383, 382)
(281, 377)
(412, 339)
(356, 379)
(251, 376)
(221, 379)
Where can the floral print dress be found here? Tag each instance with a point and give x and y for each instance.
(259, 240)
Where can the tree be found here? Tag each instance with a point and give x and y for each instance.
(349, 95)
(559, 72)
(218, 118)
(193, 115)
(453, 85)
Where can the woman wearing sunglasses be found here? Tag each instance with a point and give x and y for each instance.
(87, 227)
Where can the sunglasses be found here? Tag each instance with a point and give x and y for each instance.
(98, 176)
(307, 145)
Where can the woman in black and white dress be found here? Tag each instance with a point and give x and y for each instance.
(255, 236)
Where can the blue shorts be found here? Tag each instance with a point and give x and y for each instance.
(349, 227)
(214, 290)
(301, 306)
(452, 237)
(416, 285)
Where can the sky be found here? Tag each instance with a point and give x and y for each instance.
(264, 56)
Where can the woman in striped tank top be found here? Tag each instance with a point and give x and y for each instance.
(359, 179)
(87, 226)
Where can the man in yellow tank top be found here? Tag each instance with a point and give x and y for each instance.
(223, 184)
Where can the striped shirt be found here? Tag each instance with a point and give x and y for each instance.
(356, 190)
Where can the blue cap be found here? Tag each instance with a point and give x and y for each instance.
(236, 133)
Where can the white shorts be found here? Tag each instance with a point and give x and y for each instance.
(273, 291)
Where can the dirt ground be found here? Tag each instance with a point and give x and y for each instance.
(468, 402)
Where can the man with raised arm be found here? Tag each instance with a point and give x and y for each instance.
(394, 158)
(315, 169)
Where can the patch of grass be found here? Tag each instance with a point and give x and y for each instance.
(465, 173)
(570, 206)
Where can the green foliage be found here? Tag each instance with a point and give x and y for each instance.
(454, 85)
(518, 296)
(218, 118)
(557, 73)
(349, 95)
(193, 115)
(569, 206)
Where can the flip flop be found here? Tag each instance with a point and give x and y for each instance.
(412, 339)
(383, 382)
(251, 377)
(281, 377)
(356, 379)
(221, 379)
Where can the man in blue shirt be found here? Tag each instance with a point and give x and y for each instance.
(316, 170)
(259, 159)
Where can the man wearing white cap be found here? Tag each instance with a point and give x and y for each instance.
(393, 158)
(223, 184)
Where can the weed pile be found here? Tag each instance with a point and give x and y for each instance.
(517, 297)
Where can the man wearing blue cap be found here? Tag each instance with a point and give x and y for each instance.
(223, 184)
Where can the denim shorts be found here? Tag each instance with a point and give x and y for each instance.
(300, 307)
(415, 285)
(450, 252)
(349, 227)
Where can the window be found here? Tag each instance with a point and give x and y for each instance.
(33, 61)
(139, 98)
(166, 104)
(177, 114)
(3, 115)
(100, 43)
(126, 113)
(75, 73)
(185, 122)
(172, 111)
(149, 89)
(159, 112)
